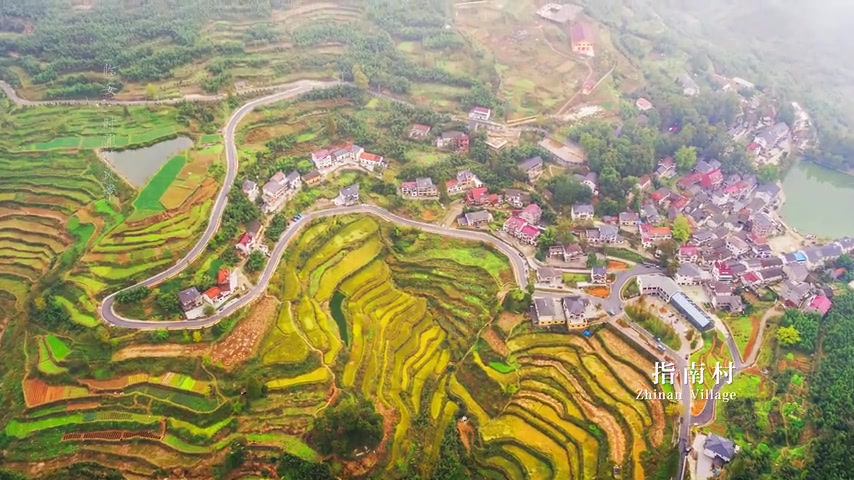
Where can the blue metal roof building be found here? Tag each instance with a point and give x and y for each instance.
(670, 292)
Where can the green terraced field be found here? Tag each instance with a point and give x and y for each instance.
(412, 323)
(148, 200)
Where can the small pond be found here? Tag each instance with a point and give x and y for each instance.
(818, 201)
(138, 165)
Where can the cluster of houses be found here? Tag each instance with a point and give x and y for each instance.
(524, 224)
(453, 140)
(574, 311)
(715, 204)
(193, 302)
(333, 157)
(278, 188)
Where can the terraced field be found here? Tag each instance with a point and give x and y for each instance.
(562, 407)
(38, 199)
(57, 212)
(409, 336)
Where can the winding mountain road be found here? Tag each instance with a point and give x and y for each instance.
(517, 261)
(106, 311)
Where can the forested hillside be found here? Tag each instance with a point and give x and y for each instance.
(832, 391)
(801, 49)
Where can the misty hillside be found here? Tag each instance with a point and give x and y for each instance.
(802, 47)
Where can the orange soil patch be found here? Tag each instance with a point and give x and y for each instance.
(697, 406)
(495, 342)
(427, 216)
(111, 435)
(754, 333)
(466, 434)
(34, 212)
(175, 196)
(170, 350)
(617, 265)
(246, 336)
(507, 321)
(263, 133)
(82, 406)
(239, 346)
(37, 392)
(601, 292)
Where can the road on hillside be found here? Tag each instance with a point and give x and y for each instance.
(17, 100)
(105, 309)
(517, 262)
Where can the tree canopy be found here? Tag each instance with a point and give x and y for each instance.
(350, 425)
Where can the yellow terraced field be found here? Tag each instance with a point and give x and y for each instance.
(317, 376)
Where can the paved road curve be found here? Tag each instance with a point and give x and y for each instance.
(106, 311)
(297, 88)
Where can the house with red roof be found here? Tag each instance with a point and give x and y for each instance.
(480, 113)
(820, 305)
(712, 179)
(477, 196)
(215, 295)
(678, 202)
(322, 158)
(643, 104)
(751, 279)
(529, 234)
(688, 253)
(531, 214)
(754, 148)
(519, 228)
(226, 281)
(513, 225)
(371, 161)
(244, 243)
(688, 180)
(739, 189)
(644, 183)
(651, 235)
(722, 272)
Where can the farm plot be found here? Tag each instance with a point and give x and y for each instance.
(140, 244)
(397, 351)
(35, 209)
(579, 426)
(148, 200)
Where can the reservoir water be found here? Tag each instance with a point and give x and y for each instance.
(819, 201)
(137, 166)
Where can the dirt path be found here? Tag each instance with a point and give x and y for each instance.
(570, 57)
(452, 212)
(753, 352)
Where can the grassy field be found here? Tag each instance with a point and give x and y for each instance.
(148, 201)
